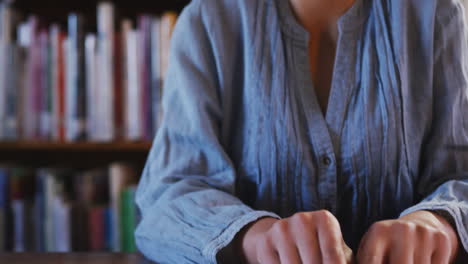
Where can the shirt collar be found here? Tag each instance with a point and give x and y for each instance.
(349, 21)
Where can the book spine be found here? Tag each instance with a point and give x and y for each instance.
(156, 81)
(44, 87)
(39, 211)
(96, 229)
(134, 94)
(145, 62)
(126, 28)
(76, 99)
(32, 95)
(54, 64)
(61, 86)
(128, 218)
(3, 88)
(13, 92)
(61, 225)
(106, 71)
(3, 208)
(91, 85)
(18, 216)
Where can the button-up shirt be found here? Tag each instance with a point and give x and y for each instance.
(243, 135)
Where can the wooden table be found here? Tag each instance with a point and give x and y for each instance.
(72, 258)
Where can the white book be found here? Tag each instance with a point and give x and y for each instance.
(61, 216)
(106, 130)
(134, 116)
(91, 86)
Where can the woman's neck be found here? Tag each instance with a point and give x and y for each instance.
(320, 14)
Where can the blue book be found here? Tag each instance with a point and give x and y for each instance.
(39, 211)
(3, 206)
(108, 229)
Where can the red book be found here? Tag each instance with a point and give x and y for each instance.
(97, 229)
(61, 87)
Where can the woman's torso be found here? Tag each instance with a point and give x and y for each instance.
(361, 161)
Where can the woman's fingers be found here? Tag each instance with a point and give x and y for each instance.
(330, 238)
(410, 240)
(311, 237)
(307, 239)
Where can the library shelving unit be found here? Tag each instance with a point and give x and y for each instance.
(78, 155)
(31, 183)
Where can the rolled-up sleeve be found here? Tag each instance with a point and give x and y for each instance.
(186, 193)
(443, 182)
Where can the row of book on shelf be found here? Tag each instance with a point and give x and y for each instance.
(61, 83)
(63, 210)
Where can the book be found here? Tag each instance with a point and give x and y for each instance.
(91, 86)
(40, 210)
(121, 175)
(134, 93)
(43, 86)
(57, 82)
(63, 210)
(105, 51)
(3, 207)
(145, 63)
(76, 83)
(31, 105)
(57, 85)
(156, 78)
(126, 27)
(97, 228)
(128, 219)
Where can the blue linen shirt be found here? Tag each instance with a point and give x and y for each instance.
(243, 135)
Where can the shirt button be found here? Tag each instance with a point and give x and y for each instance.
(326, 161)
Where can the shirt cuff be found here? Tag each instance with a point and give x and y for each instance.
(223, 240)
(451, 211)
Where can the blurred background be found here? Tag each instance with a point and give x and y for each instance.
(80, 90)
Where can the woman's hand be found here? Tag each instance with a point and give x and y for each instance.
(419, 237)
(310, 237)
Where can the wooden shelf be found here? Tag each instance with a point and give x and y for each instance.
(57, 11)
(86, 154)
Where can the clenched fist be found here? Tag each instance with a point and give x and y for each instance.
(309, 237)
(420, 237)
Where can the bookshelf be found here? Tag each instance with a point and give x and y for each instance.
(80, 90)
(79, 155)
